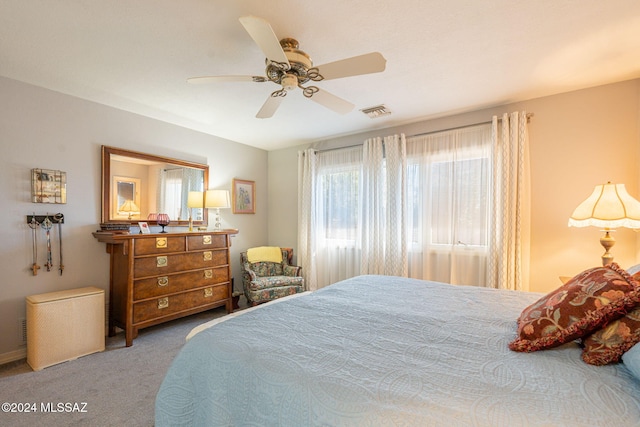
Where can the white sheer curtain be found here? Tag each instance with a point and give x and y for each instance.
(448, 181)
(509, 245)
(351, 211)
(329, 207)
(307, 218)
(450, 206)
(338, 205)
(171, 181)
(192, 180)
(383, 220)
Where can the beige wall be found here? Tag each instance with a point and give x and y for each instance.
(44, 129)
(282, 194)
(577, 140)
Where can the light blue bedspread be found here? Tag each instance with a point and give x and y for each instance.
(388, 351)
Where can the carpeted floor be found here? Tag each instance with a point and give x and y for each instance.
(116, 387)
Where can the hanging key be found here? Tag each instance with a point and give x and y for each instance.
(58, 218)
(46, 225)
(33, 224)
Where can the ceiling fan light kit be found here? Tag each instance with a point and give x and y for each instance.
(289, 81)
(290, 67)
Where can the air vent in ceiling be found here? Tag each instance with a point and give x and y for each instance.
(377, 111)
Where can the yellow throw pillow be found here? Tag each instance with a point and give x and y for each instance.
(264, 254)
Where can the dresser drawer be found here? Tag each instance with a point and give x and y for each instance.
(172, 283)
(165, 306)
(206, 241)
(158, 245)
(164, 264)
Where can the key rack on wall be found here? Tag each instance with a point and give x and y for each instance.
(55, 218)
(46, 223)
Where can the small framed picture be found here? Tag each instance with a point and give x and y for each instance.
(144, 227)
(243, 196)
(48, 186)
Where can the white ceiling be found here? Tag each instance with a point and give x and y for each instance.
(443, 57)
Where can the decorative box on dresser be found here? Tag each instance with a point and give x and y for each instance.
(159, 277)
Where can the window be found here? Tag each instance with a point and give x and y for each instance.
(448, 188)
(340, 207)
(459, 195)
(339, 194)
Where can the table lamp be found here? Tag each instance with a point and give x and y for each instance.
(217, 199)
(608, 207)
(130, 208)
(195, 199)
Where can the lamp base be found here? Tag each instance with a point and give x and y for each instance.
(218, 225)
(607, 241)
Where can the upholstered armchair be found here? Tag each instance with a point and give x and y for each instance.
(267, 274)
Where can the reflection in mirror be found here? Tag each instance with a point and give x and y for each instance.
(136, 186)
(126, 198)
(126, 191)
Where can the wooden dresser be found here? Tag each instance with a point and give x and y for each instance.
(159, 277)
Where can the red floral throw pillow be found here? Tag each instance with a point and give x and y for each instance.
(576, 309)
(607, 345)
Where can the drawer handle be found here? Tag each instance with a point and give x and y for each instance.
(208, 292)
(206, 240)
(208, 274)
(161, 261)
(161, 242)
(207, 256)
(163, 303)
(163, 280)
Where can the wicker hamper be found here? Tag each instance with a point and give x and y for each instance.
(64, 325)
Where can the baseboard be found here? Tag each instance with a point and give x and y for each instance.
(12, 356)
(21, 353)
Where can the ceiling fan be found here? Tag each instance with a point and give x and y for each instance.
(290, 67)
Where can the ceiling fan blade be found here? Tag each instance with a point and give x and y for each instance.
(262, 33)
(220, 79)
(270, 106)
(332, 102)
(364, 64)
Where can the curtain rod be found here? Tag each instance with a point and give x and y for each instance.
(529, 115)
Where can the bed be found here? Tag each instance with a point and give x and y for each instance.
(388, 351)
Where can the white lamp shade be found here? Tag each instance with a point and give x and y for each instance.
(195, 199)
(609, 206)
(217, 199)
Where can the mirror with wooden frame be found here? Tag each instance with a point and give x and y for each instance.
(135, 186)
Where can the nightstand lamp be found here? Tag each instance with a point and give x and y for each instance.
(217, 199)
(608, 207)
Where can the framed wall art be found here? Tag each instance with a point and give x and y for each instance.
(243, 195)
(48, 186)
